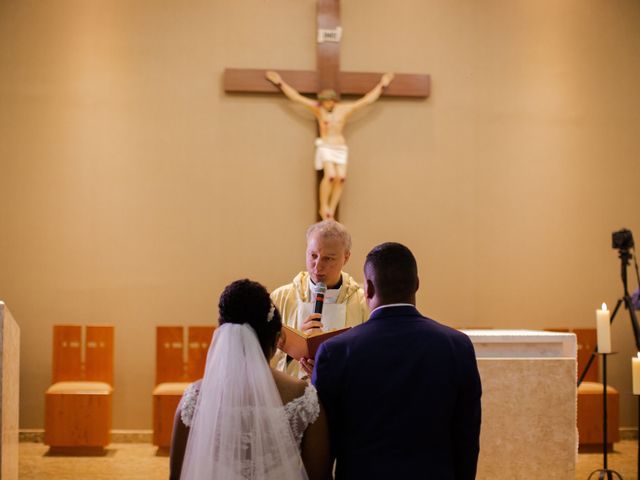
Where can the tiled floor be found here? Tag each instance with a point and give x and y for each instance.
(624, 460)
(130, 461)
(140, 461)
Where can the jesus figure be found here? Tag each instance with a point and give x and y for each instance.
(331, 146)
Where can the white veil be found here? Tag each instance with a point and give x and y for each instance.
(239, 430)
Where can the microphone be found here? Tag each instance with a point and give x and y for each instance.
(320, 289)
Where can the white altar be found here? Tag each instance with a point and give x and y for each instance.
(9, 393)
(528, 404)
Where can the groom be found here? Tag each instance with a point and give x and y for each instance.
(401, 391)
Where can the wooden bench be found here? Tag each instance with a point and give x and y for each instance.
(178, 363)
(78, 404)
(590, 395)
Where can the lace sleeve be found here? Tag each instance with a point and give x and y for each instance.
(188, 403)
(303, 411)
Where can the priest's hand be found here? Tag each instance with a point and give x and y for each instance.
(312, 324)
(307, 365)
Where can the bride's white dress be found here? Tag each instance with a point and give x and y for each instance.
(300, 412)
(239, 428)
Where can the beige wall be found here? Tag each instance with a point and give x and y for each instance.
(133, 189)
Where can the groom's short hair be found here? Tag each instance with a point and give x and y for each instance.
(394, 271)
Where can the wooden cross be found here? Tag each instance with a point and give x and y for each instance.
(328, 74)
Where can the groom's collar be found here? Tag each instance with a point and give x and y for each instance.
(389, 305)
(394, 310)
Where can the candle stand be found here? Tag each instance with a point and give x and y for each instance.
(604, 473)
(625, 257)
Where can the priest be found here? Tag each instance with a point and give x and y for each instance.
(328, 250)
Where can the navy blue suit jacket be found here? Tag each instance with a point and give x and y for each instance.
(402, 395)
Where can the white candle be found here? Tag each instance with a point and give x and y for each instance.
(604, 330)
(635, 371)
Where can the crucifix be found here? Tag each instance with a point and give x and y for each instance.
(329, 83)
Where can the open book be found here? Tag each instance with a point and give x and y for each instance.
(301, 345)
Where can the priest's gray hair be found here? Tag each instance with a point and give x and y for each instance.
(331, 229)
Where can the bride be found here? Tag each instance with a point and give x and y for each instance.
(244, 420)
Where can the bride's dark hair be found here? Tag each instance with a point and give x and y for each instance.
(245, 301)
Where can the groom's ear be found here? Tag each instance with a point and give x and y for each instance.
(369, 289)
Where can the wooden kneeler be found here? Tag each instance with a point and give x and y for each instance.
(174, 374)
(78, 404)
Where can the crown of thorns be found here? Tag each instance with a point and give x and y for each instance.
(327, 94)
